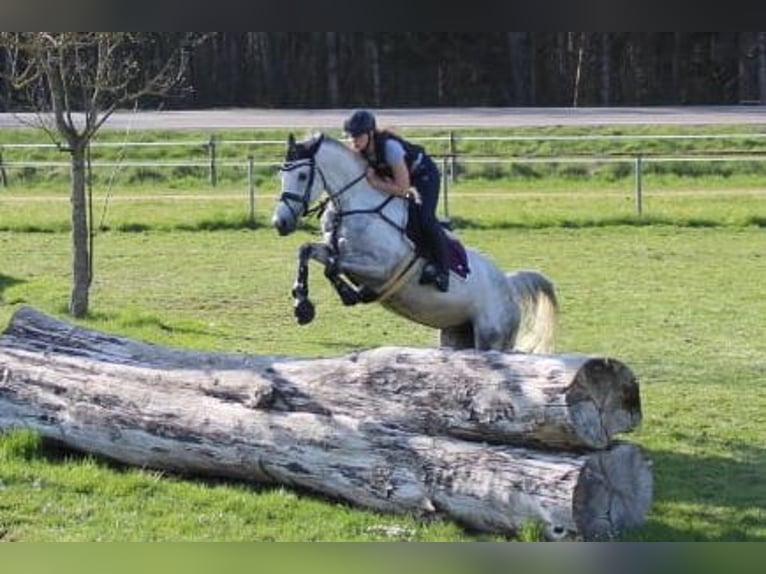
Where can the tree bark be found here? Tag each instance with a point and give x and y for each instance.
(762, 67)
(373, 57)
(519, 67)
(606, 68)
(81, 271)
(372, 428)
(333, 82)
(553, 401)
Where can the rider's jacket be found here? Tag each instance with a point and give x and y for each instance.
(413, 154)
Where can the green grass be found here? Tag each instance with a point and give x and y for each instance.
(187, 162)
(681, 306)
(676, 294)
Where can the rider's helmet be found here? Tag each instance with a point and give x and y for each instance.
(358, 123)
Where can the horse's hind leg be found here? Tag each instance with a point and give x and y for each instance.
(460, 337)
(489, 334)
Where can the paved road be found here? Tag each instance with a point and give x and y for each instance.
(432, 117)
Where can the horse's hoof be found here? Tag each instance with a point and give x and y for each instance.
(367, 295)
(348, 297)
(304, 311)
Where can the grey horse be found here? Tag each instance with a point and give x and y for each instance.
(368, 257)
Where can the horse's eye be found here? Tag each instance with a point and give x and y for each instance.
(302, 177)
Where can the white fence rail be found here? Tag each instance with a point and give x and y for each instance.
(450, 157)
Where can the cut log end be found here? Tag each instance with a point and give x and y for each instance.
(604, 401)
(613, 493)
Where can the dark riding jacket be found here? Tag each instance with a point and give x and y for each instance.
(413, 154)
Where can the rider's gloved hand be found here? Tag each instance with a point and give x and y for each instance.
(413, 195)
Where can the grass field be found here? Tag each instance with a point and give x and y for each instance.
(677, 295)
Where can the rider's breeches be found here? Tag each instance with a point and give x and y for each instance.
(426, 180)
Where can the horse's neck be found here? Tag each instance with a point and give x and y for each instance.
(341, 167)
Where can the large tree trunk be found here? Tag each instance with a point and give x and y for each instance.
(371, 427)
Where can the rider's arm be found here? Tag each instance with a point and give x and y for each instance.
(400, 183)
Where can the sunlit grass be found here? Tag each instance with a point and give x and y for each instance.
(682, 306)
(676, 293)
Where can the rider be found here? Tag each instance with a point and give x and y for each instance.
(395, 165)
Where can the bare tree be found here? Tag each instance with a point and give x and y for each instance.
(373, 56)
(519, 67)
(606, 68)
(762, 66)
(333, 90)
(74, 81)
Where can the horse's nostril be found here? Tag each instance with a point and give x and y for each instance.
(280, 225)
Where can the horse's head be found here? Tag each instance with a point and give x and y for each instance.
(300, 184)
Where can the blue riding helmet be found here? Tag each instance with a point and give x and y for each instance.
(358, 123)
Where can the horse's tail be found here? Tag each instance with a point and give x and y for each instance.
(536, 298)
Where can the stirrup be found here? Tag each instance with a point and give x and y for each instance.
(429, 274)
(441, 281)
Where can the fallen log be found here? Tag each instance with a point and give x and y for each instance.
(554, 401)
(221, 415)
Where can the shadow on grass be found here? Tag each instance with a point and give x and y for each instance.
(203, 225)
(456, 223)
(635, 221)
(716, 484)
(7, 281)
(141, 320)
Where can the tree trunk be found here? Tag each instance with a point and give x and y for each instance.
(559, 401)
(762, 66)
(369, 427)
(373, 57)
(81, 272)
(606, 68)
(579, 70)
(519, 67)
(333, 91)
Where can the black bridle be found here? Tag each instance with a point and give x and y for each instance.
(299, 157)
(305, 198)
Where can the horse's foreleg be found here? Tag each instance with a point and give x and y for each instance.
(303, 308)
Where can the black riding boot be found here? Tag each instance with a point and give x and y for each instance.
(441, 281)
(437, 270)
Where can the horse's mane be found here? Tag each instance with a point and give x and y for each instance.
(307, 148)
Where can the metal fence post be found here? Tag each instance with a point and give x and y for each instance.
(211, 152)
(639, 192)
(251, 186)
(452, 172)
(445, 194)
(3, 175)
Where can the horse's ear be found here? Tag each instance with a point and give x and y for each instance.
(318, 139)
(291, 148)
